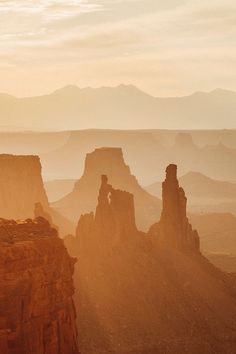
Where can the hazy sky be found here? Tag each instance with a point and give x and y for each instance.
(165, 47)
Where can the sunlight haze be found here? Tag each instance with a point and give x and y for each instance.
(166, 48)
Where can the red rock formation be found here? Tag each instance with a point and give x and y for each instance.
(174, 229)
(21, 186)
(40, 212)
(115, 211)
(137, 298)
(113, 222)
(110, 162)
(37, 314)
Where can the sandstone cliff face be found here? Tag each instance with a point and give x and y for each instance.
(21, 186)
(37, 314)
(113, 222)
(110, 162)
(139, 295)
(115, 211)
(174, 229)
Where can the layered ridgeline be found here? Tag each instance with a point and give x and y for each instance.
(37, 314)
(149, 292)
(83, 198)
(119, 107)
(211, 153)
(21, 186)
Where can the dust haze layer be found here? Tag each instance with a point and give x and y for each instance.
(121, 107)
(145, 149)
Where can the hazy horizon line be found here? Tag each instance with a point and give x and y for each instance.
(49, 131)
(124, 85)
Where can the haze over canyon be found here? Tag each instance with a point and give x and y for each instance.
(117, 177)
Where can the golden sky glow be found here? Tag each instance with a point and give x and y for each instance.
(170, 47)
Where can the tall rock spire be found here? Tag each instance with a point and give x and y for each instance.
(114, 219)
(174, 229)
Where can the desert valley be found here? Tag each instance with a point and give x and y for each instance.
(117, 177)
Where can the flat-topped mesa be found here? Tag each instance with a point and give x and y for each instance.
(174, 229)
(37, 313)
(108, 158)
(184, 141)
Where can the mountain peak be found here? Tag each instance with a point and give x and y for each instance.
(194, 174)
(220, 91)
(68, 90)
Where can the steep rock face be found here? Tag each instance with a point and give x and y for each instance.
(174, 229)
(21, 186)
(115, 210)
(110, 162)
(37, 314)
(136, 296)
(113, 222)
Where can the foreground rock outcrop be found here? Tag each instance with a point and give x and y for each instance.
(149, 293)
(37, 314)
(108, 161)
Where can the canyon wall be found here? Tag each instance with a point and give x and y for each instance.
(21, 186)
(37, 314)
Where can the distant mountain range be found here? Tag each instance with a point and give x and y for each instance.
(121, 107)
